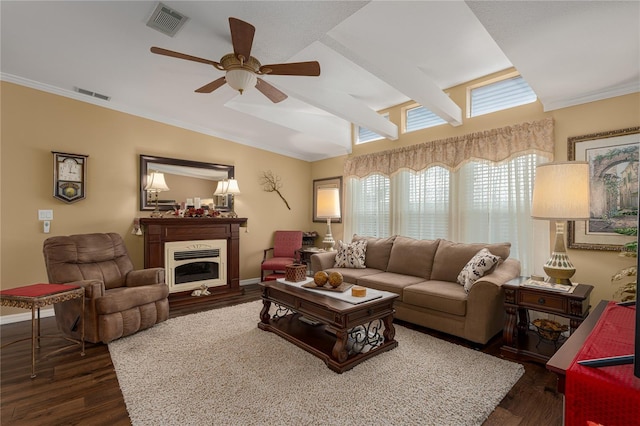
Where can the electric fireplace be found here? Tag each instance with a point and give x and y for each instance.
(191, 264)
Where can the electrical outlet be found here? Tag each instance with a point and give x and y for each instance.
(45, 214)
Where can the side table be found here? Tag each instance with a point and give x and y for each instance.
(36, 296)
(305, 256)
(522, 343)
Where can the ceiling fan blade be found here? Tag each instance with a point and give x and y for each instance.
(241, 37)
(270, 91)
(165, 52)
(311, 68)
(208, 88)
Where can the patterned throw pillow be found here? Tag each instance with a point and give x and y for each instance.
(351, 255)
(475, 269)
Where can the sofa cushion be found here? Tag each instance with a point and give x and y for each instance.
(378, 251)
(476, 268)
(414, 257)
(442, 296)
(351, 255)
(451, 257)
(388, 281)
(352, 275)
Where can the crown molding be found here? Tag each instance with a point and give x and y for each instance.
(627, 89)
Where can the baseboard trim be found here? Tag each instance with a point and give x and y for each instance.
(24, 316)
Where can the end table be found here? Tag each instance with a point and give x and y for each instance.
(305, 254)
(522, 343)
(36, 296)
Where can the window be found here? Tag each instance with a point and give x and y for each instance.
(419, 117)
(480, 202)
(369, 202)
(365, 135)
(495, 202)
(499, 95)
(423, 211)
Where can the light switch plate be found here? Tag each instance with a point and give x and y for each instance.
(45, 214)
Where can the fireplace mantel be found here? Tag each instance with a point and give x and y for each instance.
(158, 231)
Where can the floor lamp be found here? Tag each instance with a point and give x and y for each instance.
(156, 184)
(561, 193)
(328, 207)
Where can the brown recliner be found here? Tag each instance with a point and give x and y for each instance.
(119, 301)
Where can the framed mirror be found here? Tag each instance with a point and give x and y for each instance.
(186, 180)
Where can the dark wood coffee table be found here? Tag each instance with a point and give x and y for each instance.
(332, 338)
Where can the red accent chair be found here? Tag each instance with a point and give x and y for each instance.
(285, 247)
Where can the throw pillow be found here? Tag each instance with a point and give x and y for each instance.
(480, 264)
(351, 255)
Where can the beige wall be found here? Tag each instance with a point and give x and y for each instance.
(593, 267)
(34, 123)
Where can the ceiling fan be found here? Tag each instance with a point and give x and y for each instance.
(242, 69)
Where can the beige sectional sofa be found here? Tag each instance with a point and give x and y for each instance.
(424, 273)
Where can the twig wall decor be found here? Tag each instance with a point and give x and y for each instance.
(271, 183)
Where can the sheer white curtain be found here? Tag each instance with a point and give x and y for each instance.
(421, 207)
(471, 200)
(495, 205)
(367, 207)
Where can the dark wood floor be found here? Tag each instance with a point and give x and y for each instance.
(74, 390)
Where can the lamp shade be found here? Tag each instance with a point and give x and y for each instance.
(220, 188)
(232, 187)
(241, 79)
(225, 187)
(561, 191)
(328, 203)
(156, 183)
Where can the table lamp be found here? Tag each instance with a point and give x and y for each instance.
(156, 184)
(228, 187)
(328, 207)
(561, 193)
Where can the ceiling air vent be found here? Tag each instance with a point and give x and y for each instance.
(166, 20)
(93, 94)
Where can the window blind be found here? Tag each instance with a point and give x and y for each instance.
(501, 95)
(421, 118)
(366, 135)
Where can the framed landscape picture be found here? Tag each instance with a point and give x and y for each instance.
(613, 188)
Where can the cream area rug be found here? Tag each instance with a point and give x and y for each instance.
(217, 368)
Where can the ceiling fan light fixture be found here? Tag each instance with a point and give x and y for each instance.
(242, 69)
(241, 79)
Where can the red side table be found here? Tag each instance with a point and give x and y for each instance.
(36, 296)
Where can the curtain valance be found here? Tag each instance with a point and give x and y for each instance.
(495, 145)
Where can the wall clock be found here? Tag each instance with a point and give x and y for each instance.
(69, 176)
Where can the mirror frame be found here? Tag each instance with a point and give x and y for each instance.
(146, 159)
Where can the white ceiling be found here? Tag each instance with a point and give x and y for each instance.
(372, 55)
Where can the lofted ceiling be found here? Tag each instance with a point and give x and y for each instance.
(372, 55)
